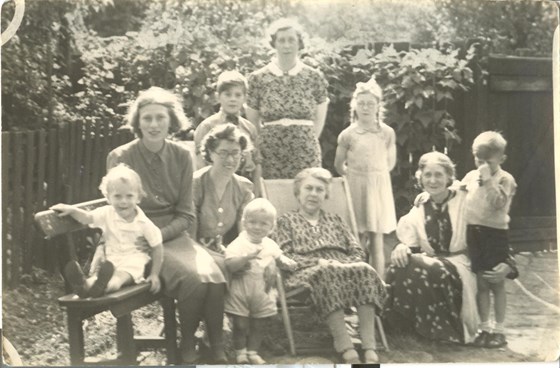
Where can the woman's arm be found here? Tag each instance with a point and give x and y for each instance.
(392, 151)
(184, 211)
(340, 159)
(320, 117)
(254, 116)
(408, 236)
(283, 236)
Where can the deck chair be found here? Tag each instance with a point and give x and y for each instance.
(120, 303)
(280, 193)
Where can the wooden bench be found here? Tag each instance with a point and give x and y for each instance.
(120, 303)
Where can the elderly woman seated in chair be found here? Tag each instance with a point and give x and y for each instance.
(331, 265)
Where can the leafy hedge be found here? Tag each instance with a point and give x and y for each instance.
(59, 69)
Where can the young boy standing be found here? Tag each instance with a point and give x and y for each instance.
(490, 192)
(232, 93)
(249, 299)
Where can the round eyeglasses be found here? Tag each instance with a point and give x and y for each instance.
(370, 104)
(224, 154)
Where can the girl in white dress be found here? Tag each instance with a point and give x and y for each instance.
(366, 154)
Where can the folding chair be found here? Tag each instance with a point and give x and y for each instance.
(280, 193)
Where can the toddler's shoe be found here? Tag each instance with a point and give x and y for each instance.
(370, 356)
(76, 278)
(481, 340)
(255, 358)
(242, 359)
(351, 357)
(106, 270)
(496, 340)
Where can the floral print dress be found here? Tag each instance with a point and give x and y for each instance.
(427, 294)
(287, 103)
(330, 263)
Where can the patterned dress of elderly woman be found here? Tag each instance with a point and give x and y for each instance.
(330, 263)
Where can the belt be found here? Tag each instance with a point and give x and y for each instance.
(288, 122)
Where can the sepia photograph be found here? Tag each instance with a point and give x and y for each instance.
(312, 183)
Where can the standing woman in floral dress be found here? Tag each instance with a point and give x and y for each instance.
(287, 102)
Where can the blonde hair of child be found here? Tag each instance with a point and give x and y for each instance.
(124, 174)
(260, 205)
(372, 88)
(490, 141)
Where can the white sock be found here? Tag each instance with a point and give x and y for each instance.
(499, 328)
(485, 326)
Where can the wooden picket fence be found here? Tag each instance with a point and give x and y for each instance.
(41, 168)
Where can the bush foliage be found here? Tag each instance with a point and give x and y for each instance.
(86, 60)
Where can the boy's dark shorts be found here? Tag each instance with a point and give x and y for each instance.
(487, 246)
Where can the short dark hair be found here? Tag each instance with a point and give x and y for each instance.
(228, 132)
(230, 79)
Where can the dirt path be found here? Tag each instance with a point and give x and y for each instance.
(36, 326)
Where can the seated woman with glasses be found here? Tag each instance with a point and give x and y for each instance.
(219, 195)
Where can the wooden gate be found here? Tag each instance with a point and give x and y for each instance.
(517, 100)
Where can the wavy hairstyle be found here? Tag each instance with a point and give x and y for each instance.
(284, 24)
(436, 158)
(158, 96)
(228, 132)
(318, 173)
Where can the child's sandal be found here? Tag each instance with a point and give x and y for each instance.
(255, 358)
(496, 340)
(106, 270)
(76, 278)
(351, 356)
(481, 339)
(370, 356)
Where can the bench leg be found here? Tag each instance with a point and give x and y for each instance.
(125, 340)
(75, 337)
(170, 329)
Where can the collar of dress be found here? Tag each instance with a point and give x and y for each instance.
(275, 69)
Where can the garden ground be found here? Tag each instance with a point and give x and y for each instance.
(36, 326)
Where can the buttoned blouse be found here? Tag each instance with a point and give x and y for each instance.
(216, 216)
(167, 180)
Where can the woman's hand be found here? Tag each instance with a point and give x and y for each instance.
(498, 273)
(421, 199)
(399, 255)
(142, 244)
(156, 283)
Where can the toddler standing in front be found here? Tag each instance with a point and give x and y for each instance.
(250, 299)
(366, 154)
(490, 191)
(119, 261)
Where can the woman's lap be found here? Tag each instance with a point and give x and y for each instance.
(336, 286)
(187, 265)
(427, 296)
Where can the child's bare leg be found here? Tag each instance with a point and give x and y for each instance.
(376, 253)
(119, 279)
(240, 336)
(500, 303)
(256, 334)
(483, 302)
